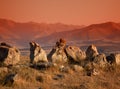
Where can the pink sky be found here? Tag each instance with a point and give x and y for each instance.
(78, 12)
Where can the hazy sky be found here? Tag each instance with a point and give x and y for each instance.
(79, 12)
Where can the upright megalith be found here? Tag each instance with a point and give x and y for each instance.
(93, 56)
(37, 54)
(58, 55)
(91, 52)
(9, 55)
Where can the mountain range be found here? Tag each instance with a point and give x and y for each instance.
(20, 34)
(106, 31)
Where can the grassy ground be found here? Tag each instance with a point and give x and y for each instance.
(53, 78)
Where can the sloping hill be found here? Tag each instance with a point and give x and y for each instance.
(105, 36)
(106, 31)
(21, 33)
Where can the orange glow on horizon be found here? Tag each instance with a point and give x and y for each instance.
(76, 12)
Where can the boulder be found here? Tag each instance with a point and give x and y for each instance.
(100, 60)
(75, 53)
(91, 52)
(114, 58)
(78, 68)
(9, 55)
(65, 69)
(58, 55)
(37, 54)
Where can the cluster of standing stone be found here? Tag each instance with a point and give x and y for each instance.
(59, 54)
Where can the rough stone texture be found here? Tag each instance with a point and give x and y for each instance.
(37, 54)
(89, 68)
(78, 68)
(100, 60)
(9, 55)
(75, 53)
(3, 70)
(58, 55)
(10, 79)
(91, 52)
(114, 58)
(65, 69)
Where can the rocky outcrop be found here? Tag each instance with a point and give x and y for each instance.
(37, 54)
(75, 53)
(95, 61)
(114, 58)
(91, 52)
(9, 55)
(58, 55)
(100, 60)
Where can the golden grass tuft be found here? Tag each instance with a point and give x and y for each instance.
(67, 77)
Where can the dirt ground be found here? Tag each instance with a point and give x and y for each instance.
(26, 77)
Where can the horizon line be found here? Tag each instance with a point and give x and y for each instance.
(30, 21)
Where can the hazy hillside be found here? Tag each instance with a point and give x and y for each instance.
(21, 33)
(105, 35)
(106, 31)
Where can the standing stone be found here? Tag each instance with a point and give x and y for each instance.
(37, 54)
(9, 55)
(91, 52)
(58, 55)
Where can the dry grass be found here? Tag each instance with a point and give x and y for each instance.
(54, 78)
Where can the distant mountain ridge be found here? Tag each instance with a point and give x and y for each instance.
(105, 31)
(106, 36)
(20, 34)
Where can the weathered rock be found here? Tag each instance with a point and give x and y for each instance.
(75, 53)
(91, 52)
(95, 72)
(114, 58)
(89, 67)
(9, 55)
(58, 55)
(10, 79)
(3, 70)
(94, 67)
(37, 54)
(100, 60)
(78, 68)
(58, 76)
(65, 69)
